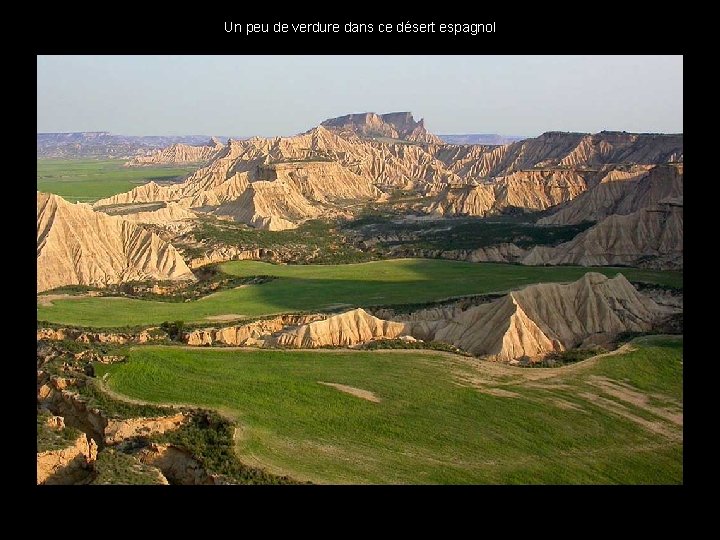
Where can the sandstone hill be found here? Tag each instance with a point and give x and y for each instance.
(551, 317)
(179, 154)
(349, 328)
(278, 183)
(621, 191)
(78, 246)
(650, 237)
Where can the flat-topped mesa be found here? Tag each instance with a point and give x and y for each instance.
(395, 125)
(78, 246)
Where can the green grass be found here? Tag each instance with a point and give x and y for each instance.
(87, 180)
(317, 287)
(427, 428)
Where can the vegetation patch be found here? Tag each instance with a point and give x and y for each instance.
(114, 467)
(53, 439)
(209, 438)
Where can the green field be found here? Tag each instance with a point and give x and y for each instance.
(87, 180)
(318, 287)
(440, 418)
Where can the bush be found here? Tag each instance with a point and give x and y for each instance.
(174, 330)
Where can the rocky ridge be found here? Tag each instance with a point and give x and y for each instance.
(77, 246)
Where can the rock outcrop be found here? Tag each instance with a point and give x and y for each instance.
(59, 334)
(177, 465)
(254, 333)
(68, 465)
(229, 253)
(170, 213)
(117, 431)
(529, 190)
(346, 329)
(650, 237)
(77, 246)
(531, 322)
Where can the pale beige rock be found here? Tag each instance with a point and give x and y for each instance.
(346, 329)
(176, 465)
(55, 422)
(532, 190)
(399, 125)
(77, 246)
(550, 317)
(118, 430)
(278, 183)
(621, 192)
(651, 237)
(226, 253)
(59, 334)
(170, 213)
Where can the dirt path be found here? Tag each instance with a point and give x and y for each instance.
(226, 317)
(47, 299)
(357, 392)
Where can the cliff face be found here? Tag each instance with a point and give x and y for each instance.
(77, 246)
(651, 237)
(67, 465)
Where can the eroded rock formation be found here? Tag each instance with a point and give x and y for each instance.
(650, 237)
(77, 246)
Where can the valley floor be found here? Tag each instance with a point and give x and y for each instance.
(327, 287)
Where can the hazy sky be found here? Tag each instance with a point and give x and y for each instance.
(284, 95)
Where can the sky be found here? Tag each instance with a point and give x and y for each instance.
(284, 95)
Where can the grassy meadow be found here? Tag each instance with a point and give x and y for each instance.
(321, 287)
(87, 180)
(438, 418)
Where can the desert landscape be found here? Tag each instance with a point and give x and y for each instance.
(364, 302)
